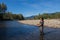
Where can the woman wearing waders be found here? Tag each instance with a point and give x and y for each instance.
(41, 25)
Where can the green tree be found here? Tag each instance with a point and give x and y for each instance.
(3, 9)
(20, 17)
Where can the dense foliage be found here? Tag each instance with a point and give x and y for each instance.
(4, 15)
(48, 16)
(10, 16)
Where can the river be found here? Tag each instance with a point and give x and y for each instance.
(13, 30)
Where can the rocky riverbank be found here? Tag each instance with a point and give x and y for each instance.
(55, 23)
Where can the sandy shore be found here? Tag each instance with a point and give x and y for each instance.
(55, 23)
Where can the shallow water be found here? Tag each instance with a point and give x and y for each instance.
(13, 30)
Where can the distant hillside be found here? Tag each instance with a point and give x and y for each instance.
(31, 17)
(55, 15)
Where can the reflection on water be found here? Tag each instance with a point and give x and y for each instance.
(41, 36)
(18, 31)
(12, 30)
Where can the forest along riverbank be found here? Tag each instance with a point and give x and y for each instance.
(55, 23)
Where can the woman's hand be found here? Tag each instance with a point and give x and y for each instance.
(38, 25)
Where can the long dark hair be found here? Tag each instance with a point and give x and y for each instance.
(42, 18)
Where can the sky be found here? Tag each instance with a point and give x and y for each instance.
(32, 7)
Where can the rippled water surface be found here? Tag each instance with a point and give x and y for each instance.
(13, 30)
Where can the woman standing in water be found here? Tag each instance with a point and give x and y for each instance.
(41, 28)
(42, 25)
